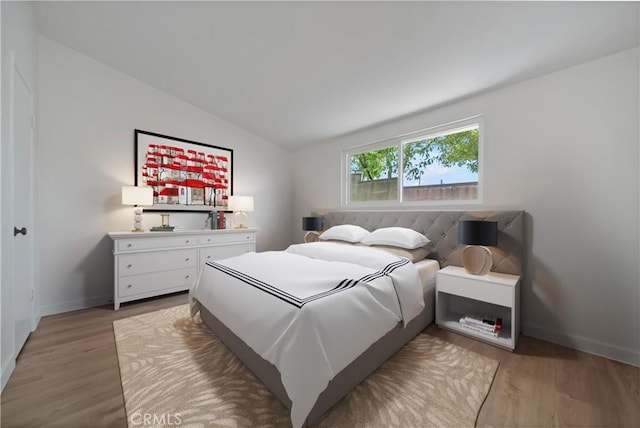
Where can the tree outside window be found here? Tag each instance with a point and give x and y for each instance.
(436, 166)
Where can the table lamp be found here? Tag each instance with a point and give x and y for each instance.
(313, 226)
(240, 205)
(137, 196)
(477, 235)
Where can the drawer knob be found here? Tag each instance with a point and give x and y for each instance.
(187, 259)
(209, 240)
(129, 286)
(128, 245)
(186, 276)
(247, 237)
(128, 266)
(208, 257)
(186, 242)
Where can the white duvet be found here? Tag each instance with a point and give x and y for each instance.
(310, 310)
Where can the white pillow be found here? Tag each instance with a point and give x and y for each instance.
(396, 237)
(344, 232)
(414, 255)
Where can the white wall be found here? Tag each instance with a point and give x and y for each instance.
(88, 113)
(19, 35)
(564, 148)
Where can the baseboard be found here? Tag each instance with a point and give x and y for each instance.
(590, 346)
(7, 370)
(74, 305)
(35, 321)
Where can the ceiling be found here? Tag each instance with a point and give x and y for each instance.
(297, 73)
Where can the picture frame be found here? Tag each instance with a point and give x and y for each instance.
(185, 175)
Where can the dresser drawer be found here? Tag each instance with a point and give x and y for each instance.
(156, 281)
(135, 264)
(155, 243)
(223, 252)
(227, 238)
(476, 289)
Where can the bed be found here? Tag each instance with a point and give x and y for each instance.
(288, 372)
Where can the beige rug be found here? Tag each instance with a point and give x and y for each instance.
(175, 372)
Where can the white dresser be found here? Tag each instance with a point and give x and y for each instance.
(149, 264)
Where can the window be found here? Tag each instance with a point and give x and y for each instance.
(435, 165)
(374, 175)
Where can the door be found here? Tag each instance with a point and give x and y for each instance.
(23, 266)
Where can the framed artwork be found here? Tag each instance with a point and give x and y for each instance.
(185, 175)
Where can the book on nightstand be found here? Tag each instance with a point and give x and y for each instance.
(485, 325)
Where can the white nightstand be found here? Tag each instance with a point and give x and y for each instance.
(459, 293)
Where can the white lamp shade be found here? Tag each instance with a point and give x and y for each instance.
(136, 195)
(241, 203)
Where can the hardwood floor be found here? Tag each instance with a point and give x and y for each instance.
(67, 375)
(546, 385)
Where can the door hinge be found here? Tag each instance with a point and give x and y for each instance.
(33, 294)
(33, 122)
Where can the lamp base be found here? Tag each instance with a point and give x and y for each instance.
(311, 236)
(477, 260)
(240, 220)
(137, 220)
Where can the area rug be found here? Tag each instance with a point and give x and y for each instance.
(175, 372)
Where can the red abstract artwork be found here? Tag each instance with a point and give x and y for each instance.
(184, 175)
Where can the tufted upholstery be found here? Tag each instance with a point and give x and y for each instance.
(441, 227)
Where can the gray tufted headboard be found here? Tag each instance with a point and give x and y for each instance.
(441, 227)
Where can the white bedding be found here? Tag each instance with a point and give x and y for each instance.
(310, 310)
(427, 270)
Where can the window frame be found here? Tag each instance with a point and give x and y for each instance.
(398, 141)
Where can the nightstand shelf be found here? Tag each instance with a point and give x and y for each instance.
(459, 293)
